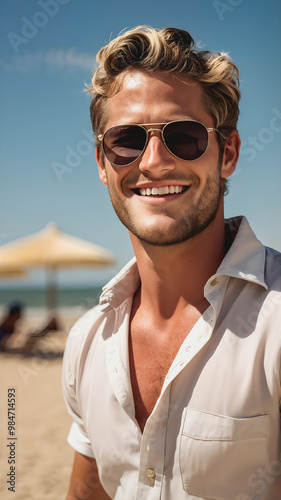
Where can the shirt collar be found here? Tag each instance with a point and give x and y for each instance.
(244, 260)
(246, 256)
(122, 286)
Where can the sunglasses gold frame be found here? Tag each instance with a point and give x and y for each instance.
(155, 127)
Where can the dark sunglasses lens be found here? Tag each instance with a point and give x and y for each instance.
(124, 144)
(186, 140)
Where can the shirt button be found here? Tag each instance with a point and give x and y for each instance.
(150, 476)
(214, 282)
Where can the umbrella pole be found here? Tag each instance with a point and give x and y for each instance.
(51, 290)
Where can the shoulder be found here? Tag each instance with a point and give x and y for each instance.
(273, 269)
(273, 281)
(83, 334)
(272, 274)
(82, 337)
(101, 317)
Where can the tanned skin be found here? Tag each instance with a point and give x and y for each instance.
(84, 482)
(174, 261)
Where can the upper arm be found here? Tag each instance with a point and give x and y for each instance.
(84, 481)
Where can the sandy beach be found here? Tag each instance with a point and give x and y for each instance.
(43, 458)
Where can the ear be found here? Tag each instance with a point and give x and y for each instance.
(101, 167)
(230, 154)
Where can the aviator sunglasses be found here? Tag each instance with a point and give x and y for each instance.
(185, 139)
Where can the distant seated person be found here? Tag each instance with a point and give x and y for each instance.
(52, 325)
(8, 324)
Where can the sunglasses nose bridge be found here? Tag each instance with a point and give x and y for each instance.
(150, 130)
(153, 128)
(149, 133)
(154, 158)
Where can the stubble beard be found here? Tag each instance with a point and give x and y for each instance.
(196, 218)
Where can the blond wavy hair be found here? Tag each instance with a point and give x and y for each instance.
(172, 52)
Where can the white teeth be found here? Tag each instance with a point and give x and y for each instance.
(161, 190)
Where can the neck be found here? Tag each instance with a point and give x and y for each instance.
(174, 277)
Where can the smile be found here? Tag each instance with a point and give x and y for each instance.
(160, 191)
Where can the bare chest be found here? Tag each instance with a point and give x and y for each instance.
(151, 354)
(148, 368)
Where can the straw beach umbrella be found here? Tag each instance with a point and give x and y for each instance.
(52, 249)
(8, 272)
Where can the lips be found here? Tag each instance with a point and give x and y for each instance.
(161, 191)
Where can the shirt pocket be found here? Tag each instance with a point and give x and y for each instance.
(218, 454)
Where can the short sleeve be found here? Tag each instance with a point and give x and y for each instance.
(77, 437)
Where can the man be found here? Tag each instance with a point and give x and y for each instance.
(173, 380)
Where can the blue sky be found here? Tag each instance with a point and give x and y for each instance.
(48, 168)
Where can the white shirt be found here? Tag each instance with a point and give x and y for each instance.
(215, 430)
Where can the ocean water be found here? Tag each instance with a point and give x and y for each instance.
(82, 298)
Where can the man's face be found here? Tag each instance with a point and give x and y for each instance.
(163, 219)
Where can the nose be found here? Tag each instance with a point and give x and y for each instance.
(156, 158)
